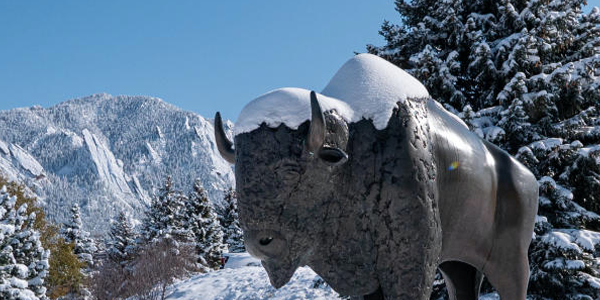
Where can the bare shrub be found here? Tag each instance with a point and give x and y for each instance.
(111, 281)
(154, 268)
(158, 265)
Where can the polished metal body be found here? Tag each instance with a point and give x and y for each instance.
(375, 212)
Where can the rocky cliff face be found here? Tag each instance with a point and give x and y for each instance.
(108, 154)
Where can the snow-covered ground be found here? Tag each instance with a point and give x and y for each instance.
(244, 279)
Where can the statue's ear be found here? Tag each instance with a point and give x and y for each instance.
(333, 156)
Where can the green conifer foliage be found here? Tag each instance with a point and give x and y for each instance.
(524, 74)
(232, 233)
(204, 224)
(23, 261)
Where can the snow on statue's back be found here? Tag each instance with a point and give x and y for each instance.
(372, 86)
(367, 86)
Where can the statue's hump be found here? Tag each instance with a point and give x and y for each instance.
(373, 86)
(365, 87)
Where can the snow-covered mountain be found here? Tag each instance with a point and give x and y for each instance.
(108, 154)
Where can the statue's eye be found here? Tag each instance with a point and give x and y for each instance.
(290, 175)
(288, 172)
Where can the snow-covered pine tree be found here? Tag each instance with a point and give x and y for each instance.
(203, 222)
(165, 218)
(23, 260)
(525, 74)
(64, 276)
(121, 243)
(491, 53)
(161, 253)
(232, 233)
(562, 259)
(72, 231)
(31, 253)
(84, 247)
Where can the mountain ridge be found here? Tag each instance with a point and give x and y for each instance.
(109, 153)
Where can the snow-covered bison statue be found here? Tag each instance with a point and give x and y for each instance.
(374, 185)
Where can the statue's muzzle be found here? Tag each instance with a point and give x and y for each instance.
(270, 246)
(280, 272)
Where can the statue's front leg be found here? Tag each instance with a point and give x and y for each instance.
(408, 257)
(408, 233)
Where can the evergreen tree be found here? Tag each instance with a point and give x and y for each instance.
(65, 270)
(84, 248)
(584, 176)
(121, 244)
(64, 273)
(23, 260)
(497, 44)
(203, 222)
(514, 120)
(561, 264)
(525, 75)
(232, 233)
(72, 231)
(165, 218)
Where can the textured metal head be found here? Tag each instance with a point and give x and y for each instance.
(284, 178)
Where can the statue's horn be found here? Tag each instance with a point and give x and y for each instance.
(316, 133)
(223, 143)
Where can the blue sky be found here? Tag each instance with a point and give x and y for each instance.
(202, 56)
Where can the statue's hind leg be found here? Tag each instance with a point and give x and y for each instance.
(510, 276)
(463, 281)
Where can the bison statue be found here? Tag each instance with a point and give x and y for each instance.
(374, 185)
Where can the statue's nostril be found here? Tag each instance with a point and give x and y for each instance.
(265, 241)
